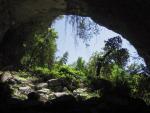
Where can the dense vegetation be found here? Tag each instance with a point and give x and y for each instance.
(105, 73)
(40, 50)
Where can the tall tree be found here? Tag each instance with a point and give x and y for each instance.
(113, 54)
(64, 58)
(40, 51)
(80, 64)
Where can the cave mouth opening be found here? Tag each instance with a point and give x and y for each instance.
(81, 37)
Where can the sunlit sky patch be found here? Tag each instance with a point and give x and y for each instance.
(76, 47)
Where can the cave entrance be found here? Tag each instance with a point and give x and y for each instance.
(69, 39)
(89, 67)
(85, 52)
(85, 65)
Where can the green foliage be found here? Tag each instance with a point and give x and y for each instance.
(125, 80)
(40, 51)
(114, 43)
(144, 88)
(117, 73)
(64, 59)
(61, 71)
(42, 70)
(80, 65)
(72, 76)
(132, 81)
(117, 54)
(66, 70)
(110, 65)
(92, 63)
(101, 63)
(135, 68)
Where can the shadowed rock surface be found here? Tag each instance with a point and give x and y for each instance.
(68, 104)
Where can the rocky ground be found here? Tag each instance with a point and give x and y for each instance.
(28, 94)
(47, 90)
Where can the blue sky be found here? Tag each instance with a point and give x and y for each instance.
(76, 47)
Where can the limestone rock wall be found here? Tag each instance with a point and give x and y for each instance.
(19, 20)
(14, 13)
(4, 18)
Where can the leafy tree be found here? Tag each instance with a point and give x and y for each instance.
(92, 63)
(135, 68)
(64, 59)
(144, 88)
(114, 43)
(114, 51)
(80, 65)
(113, 54)
(40, 51)
(101, 63)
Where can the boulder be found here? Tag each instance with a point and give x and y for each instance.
(81, 94)
(43, 97)
(26, 89)
(9, 77)
(12, 81)
(54, 82)
(43, 91)
(65, 89)
(79, 91)
(51, 96)
(55, 85)
(58, 89)
(60, 94)
(6, 76)
(1, 72)
(41, 85)
(30, 85)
